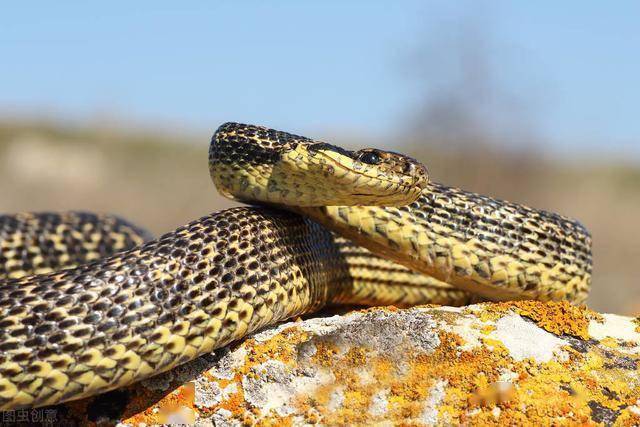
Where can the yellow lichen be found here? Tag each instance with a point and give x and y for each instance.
(178, 400)
(556, 317)
(472, 380)
(475, 385)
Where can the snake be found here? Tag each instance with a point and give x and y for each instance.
(90, 303)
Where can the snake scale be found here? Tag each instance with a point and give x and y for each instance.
(86, 306)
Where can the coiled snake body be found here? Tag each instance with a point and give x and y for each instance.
(117, 319)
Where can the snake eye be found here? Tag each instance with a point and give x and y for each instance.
(369, 157)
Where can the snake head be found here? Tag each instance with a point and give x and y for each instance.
(256, 164)
(364, 177)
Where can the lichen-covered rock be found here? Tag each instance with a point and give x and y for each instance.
(509, 363)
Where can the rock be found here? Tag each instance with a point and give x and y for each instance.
(510, 363)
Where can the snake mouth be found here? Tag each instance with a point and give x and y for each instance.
(416, 181)
(402, 190)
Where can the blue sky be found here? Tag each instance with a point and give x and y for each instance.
(359, 66)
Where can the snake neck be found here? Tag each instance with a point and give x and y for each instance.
(498, 249)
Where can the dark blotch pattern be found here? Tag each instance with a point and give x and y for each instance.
(45, 242)
(166, 295)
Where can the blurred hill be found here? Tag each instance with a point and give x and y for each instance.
(161, 181)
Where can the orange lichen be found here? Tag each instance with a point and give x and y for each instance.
(547, 392)
(160, 413)
(452, 383)
(234, 402)
(325, 352)
(275, 348)
(556, 317)
(493, 394)
(386, 309)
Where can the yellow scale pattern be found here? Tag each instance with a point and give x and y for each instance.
(497, 249)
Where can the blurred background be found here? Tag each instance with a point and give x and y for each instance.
(111, 107)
